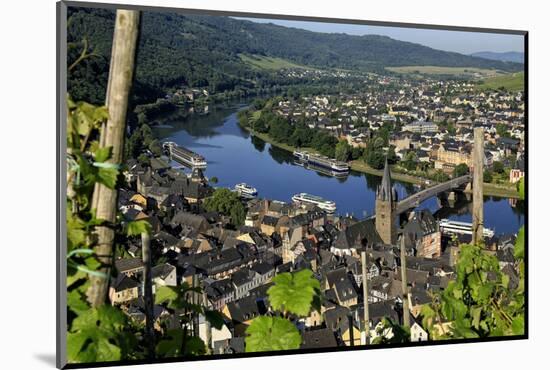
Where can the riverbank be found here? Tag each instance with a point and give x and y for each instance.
(360, 166)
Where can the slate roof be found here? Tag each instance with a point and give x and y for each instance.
(126, 264)
(345, 290)
(162, 270)
(244, 309)
(123, 282)
(361, 233)
(262, 268)
(319, 338)
(379, 310)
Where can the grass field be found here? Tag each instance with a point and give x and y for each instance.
(513, 82)
(454, 71)
(268, 63)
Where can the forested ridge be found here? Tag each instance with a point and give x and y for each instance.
(203, 51)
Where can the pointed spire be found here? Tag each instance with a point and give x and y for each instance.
(385, 190)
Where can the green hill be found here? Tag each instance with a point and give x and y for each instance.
(223, 53)
(511, 81)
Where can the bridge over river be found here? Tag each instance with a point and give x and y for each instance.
(414, 200)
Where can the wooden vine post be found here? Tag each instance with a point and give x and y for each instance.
(112, 135)
(404, 284)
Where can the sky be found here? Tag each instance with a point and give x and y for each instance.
(460, 42)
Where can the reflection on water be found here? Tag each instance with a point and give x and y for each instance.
(235, 156)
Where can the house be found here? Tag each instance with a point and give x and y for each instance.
(518, 172)
(215, 335)
(242, 312)
(164, 275)
(354, 237)
(124, 289)
(420, 127)
(418, 334)
(450, 155)
(378, 312)
(345, 293)
(219, 292)
(189, 221)
(423, 234)
(289, 238)
(129, 266)
(318, 338)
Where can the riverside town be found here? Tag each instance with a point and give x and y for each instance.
(283, 189)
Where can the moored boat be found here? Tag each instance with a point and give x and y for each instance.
(326, 205)
(245, 189)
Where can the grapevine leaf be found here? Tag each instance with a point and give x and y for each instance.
(294, 292)
(103, 154)
(97, 335)
(518, 325)
(267, 333)
(521, 188)
(172, 345)
(107, 177)
(165, 294)
(138, 227)
(519, 250)
(76, 302)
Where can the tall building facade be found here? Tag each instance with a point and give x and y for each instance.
(386, 201)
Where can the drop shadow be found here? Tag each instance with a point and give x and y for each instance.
(46, 358)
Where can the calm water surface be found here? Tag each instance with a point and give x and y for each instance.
(235, 156)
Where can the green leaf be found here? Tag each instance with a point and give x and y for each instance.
(165, 294)
(518, 325)
(521, 188)
(519, 250)
(76, 302)
(294, 292)
(476, 316)
(76, 235)
(107, 177)
(138, 227)
(267, 333)
(172, 344)
(103, 154)
(98, 335)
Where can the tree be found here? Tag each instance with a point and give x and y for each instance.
(461, 170)
(342, 151)
(228, 203)
(392, 156)
(155, 148)
(440, 176)
(498, 167)
(356, 153)
(487, 176)
(502, 130)
(375, 159)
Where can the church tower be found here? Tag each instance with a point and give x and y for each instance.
(386, 201)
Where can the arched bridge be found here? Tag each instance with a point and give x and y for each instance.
(414, 200)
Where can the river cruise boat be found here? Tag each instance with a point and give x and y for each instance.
(184, 155)
(457, 227)
(320, 170)
(325, 205)
(322, 161)
(246, 190)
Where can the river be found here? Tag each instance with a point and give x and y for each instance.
(234, 156)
